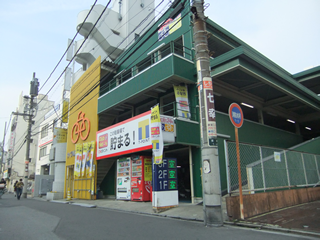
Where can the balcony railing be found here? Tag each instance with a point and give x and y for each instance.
(153, 58)
(173, 109)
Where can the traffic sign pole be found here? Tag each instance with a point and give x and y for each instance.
(236, 117)
(239, 174)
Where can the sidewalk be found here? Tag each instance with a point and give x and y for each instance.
(301, 219)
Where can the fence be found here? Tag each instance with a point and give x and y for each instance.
(264, 168)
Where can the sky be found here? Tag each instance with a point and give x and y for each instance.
(34, 37)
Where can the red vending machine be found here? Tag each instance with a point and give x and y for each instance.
(141, 177)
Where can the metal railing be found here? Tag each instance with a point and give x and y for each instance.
(265, 168)
(126, 74)
(173, 108)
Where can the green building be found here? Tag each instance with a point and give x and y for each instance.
(281, 111)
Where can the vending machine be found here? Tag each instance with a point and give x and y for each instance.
(141, 178)
(123, 179)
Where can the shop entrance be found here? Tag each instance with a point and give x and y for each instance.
(183, 169)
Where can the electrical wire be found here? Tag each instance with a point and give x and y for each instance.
(79, 47)
(69, 45)
(65, 53)
(88, 92)
(110, 54)
(99, 82)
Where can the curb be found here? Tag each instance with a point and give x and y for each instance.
(272, 227)
(83, 205)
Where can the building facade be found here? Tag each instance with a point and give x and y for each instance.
(163, 58)
(17, 147)
(279, 110)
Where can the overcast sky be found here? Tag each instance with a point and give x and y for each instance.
(34, 38)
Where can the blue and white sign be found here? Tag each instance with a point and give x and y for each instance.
(236, 115)
(165, 175)
(165, 184)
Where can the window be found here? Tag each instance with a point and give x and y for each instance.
(43, 151)
(44, 131)
(178, 46)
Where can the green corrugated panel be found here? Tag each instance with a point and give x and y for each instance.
(132, 87)
(187, 133)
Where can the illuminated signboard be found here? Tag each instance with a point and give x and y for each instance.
(165, 175)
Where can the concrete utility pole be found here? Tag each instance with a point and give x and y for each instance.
(2, 147)
(29, 114)
(209, 145)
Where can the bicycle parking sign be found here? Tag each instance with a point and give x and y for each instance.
(81, 128)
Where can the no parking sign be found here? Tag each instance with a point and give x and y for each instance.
(236, 115)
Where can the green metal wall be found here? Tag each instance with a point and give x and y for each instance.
(312, 146)
(109, 182)
(250, 132)
(254, 133)
(187, 133)
(149, 41)
(197, 164)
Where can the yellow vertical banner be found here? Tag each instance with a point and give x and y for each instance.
(84, 158)
(78, 159)
(147, 169)
(65, 110)
(181, 94)
(89, 162)
(156, 135)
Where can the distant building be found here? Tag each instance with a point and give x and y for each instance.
(17, 145)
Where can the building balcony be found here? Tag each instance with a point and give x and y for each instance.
(152, 77)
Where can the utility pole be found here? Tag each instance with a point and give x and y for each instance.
(2, 147)
(209, 144)
(29, 114)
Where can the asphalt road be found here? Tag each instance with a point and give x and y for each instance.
(30, 219)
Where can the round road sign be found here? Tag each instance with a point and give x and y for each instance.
(236, 115)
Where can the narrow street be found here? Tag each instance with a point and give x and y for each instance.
(28, 219)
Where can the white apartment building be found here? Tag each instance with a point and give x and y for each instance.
(118, 28)
(17, 145)
(45, 138)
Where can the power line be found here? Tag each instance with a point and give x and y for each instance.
(90, 90)
(75, 53)
(93, 87)
(78, 49)
(69, 45)
(98, 83)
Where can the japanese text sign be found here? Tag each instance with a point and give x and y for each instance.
(129, 136)
(165, 175)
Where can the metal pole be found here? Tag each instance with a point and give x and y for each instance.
(239, 174)
(209, 145)
(2, 147)
(33, 93)
(28, 141)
